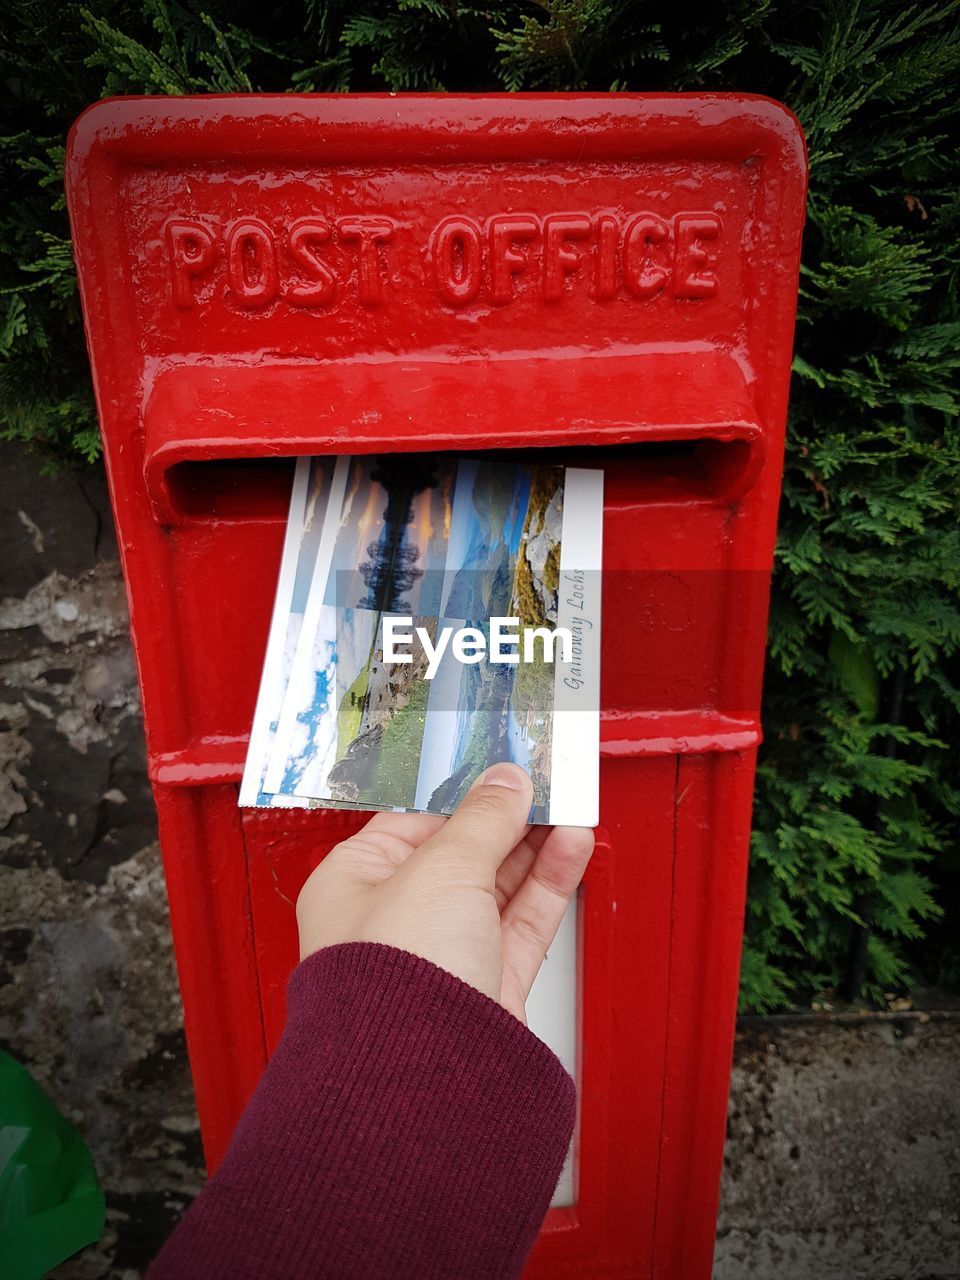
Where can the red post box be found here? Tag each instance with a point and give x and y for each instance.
(607, 276)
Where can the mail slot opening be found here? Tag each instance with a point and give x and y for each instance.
(661, 470)
(231, 488)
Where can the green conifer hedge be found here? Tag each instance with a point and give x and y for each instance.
(855, 854)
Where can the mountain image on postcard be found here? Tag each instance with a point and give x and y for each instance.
(437, 544)
(488, 522)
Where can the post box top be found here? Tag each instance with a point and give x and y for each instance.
(396, 127)
(263, 273)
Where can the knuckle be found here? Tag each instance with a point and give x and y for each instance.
(529, 931)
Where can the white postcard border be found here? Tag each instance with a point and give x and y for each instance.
(575, 747)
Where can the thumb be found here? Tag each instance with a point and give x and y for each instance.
(488, 823)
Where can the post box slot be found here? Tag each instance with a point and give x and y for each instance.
(661, 471)
(231, 488)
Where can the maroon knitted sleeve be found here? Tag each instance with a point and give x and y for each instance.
(407, 1128)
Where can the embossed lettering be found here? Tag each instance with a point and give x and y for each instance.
(608, 234)
(192, 253)
(560, 258)
(506, 232)
(304, 241)
(692, 231)
(252, 263)
(457, 253)
(643, 275)
(367, 233)
(306, 262)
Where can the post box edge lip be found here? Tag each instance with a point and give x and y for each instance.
(95, 130)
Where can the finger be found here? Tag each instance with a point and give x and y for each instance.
(487, 824)
(516, 866)
(532, 917)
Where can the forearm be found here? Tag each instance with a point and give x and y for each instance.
(407, 1127)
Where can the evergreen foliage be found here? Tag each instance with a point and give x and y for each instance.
(855, 852)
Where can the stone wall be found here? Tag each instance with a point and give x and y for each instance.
(843, 1159)
(88, 994)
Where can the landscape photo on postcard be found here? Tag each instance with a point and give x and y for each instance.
(437, 544)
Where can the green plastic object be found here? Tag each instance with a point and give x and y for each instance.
(51, 1203)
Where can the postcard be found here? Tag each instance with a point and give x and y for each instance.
(308, 504)
(452, 620)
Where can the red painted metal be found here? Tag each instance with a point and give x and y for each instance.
(264, 277)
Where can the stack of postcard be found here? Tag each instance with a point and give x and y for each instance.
(434, 615)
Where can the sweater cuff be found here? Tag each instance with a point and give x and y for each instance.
(441, 1025)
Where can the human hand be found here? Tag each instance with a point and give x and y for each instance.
(480, 894)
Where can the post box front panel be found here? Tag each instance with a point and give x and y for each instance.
(608, 280)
